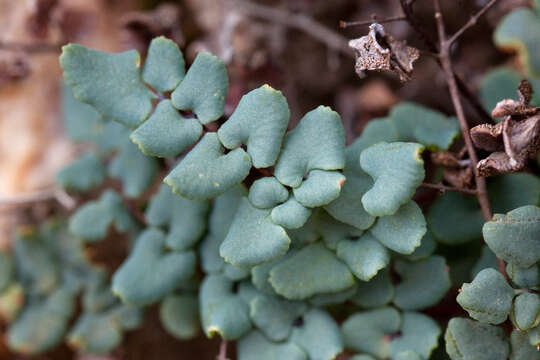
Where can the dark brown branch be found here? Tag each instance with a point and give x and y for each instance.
(31, 48)
(443, 188)
(472, 21)
(345, 24)
(407, 7)
(446, 63)
(301, 22)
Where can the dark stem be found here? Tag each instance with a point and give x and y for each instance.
(345, 24)
(443, 188)
(31, 48)
(472, 21)
(407, 7)
(446, 63)
(301, 22)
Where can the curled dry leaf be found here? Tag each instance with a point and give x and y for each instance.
(380, 52)
(512, 141)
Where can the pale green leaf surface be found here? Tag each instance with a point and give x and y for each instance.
(259, 121)
(275, 316)
(6, 270)
(376, 292)
(136, 170)
(206, 172)
(333, 298)
(164, 66)
(254, 346)
(109, 82)
(521, 348)
(82, 174)
(526, 311)
(503, 196)
(488, 298)
(134, 284)
(186, 219)
(253, 238)
(291, 214)
(222, 312)
(498, 84)
(304, 149)
(203, 89)
(431, 128)
(419, 333)
(365, 256)
(470, 340)
(312, 270)
(403, 231)
(369, 332)
(455, 218)
(166, 133)
(267, 192)
(520, 31)
(348, 207)
(95, 333)
(318, 336)
(233, 273)
(425, 250)
(179, 315)
(397, 169)
(319, 188)
(41, 326)
(514, 237)
(92, 220)
(424, 283)
(524, 277)
(332, 231)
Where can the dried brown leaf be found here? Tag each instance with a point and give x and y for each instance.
(379, 51)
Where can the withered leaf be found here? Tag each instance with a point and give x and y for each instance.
(380, 52)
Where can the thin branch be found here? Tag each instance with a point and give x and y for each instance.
(442, 187)
(26, 199)
(345, 24)
(407, 7)
(472, 21)
(222, 350)
(301, 22)
(446, 63)
(30, 48)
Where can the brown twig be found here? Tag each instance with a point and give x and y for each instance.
(301, 22)
(446, 63)
(345, 24)
(30, 48)
(26, 199)
(443, 188)
(472, 21)
(222, 350)
(407, 7)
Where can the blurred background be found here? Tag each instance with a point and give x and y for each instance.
(260, 41)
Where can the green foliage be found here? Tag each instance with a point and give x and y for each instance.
(514, 237)
(92, 221)
(488, 298)
(291, 229)
(259, 121)
(396, 166)
(134, 284)
(83, 174)
(467, 339)
(520, 31)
